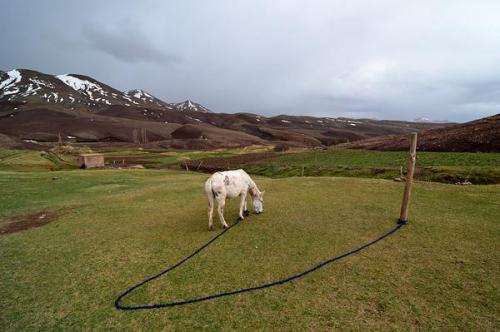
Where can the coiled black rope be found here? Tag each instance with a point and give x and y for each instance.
(118, 305)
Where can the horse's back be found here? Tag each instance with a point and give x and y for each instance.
(234, 172)
(231, 182)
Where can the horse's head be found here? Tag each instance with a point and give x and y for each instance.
(258, 202)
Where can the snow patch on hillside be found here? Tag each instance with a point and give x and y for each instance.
(141, 94)
(40, 82)
(87, 88)
(77, 84)
(14, 78)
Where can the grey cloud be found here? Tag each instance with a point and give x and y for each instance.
(126, 42)
(384, 59)
(483, 91)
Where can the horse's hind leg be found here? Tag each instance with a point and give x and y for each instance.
(210, 213)
(221, 202)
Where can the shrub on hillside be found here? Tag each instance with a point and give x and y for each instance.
(281, 148)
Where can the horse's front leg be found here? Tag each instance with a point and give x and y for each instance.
(246, 213)
(221, 202)
(243, 204)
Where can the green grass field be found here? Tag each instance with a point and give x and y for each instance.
(117, 227)
(447, 167)
(54, 160)
(22, 160)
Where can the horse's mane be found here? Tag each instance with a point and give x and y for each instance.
(254, 191)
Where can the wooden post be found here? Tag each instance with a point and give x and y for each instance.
(403, 217)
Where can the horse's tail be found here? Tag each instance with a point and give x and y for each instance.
(209, 190)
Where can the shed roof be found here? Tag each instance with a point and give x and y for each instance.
(91, 155)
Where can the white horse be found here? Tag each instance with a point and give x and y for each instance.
(231, 184)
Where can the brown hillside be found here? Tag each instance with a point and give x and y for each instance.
(481, 135)
(37, 107)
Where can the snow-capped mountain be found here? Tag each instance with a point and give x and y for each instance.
(27, 86)
(188, 105)
(23, 86)
(36, 107)
(427, 120)
(145, 97)
(422, 119)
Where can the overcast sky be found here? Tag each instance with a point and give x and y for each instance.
(367, 59)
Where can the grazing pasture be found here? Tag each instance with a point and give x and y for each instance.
(447, 167)
(113, 228)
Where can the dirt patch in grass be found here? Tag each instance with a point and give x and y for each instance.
(27, 221)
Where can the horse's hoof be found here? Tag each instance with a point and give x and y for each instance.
(240, 218)
(226, 226)
(246, 213)
(210, 228)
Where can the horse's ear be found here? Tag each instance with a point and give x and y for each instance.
(262, 193)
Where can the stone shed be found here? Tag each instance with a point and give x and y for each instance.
(91, 160)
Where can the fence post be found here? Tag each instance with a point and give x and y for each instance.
(403, 217)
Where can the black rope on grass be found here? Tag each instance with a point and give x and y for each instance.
(118, 304)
